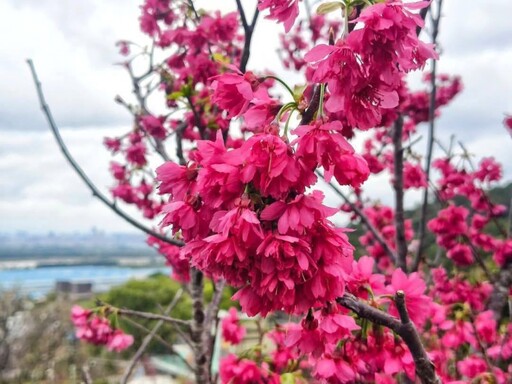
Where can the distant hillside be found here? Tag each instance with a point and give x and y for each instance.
(498, 195)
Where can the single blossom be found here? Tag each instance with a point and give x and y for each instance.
(233, 92)
(284, 11)
(232, 331)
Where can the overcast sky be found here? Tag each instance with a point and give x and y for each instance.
(72, 45)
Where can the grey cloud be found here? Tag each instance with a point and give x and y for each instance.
(40, 192)
(475, 26)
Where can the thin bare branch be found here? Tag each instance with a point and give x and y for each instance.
(431, 135)
(309, 113)
(179, 142)
(212, 312)
(170, 347)
(95, 191)
(150, 316)
(425, 369)
(86, 375)
(198, 328)
(398, 185)
(248, 30)
(145, 343)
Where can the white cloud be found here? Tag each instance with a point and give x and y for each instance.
(72, 44)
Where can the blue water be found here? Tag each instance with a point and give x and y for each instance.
(40, 281)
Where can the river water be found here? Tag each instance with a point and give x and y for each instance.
(38, 282)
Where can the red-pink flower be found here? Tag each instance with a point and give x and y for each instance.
(112, 144)
(244, 371)
(97, 330)
(503, 254)
(177, 179)
(272, 167)
(334, 369)
(119, 341)
(124, 47)
(233, 92)
(136, 154)
(461, 254)
(417, 303)
(154, 126)
(414, 177)
(284, 11)
(298, 214)
(362, 279)
(472, 366)
(232, 331)
(507, 122)
(322, 144)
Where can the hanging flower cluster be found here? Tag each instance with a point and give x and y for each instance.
(98, 330)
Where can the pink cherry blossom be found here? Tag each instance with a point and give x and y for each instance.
(232, 331)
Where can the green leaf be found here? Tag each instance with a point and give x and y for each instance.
(329, 7)
(287, 378)
(219, 58)
(298, 91)
(175, 95)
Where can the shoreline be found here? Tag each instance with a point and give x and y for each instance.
(142, 262)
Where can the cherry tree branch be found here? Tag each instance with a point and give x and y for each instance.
(309, 113)
(145, 343)
(500, 294)
(425, 369)
(179, 142)
(248, 30)
(184, 337)
(150, 316)
(157, 144)
(86, 374)
(193, 7)
(211, 320)
(95, 191)
(431, 135)
(199, 328)
(398, 185)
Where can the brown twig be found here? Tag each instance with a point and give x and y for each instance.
(86, 374)
(95, 191)
(425, 369)
(145, 343)
(170, 347)
(398, 186)
(212, 315)
(179, 142)
(431, 135)
(150, 316)
(478, 339)
(198, 328)
(309, 113)
(248, 30)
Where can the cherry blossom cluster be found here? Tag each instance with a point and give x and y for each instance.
(461, 230)
(364, 69)
(98, 330)
(333, 346)
(132, 186)
(257, 229)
